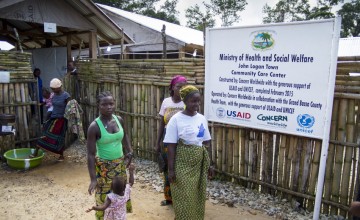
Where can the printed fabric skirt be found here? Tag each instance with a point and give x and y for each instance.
(189, 189)
(53, 135)
(167, 191)
(106, 170)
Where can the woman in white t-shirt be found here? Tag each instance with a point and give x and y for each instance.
(169, 107)
(188, 139)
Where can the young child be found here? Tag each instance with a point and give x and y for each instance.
(47, 97)
(115, 202)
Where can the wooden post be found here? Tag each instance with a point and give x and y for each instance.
(204, 34)
(182, 52)
(92, 45)
(98, 46)
(122, 45)
(68, 47)
(164, 56)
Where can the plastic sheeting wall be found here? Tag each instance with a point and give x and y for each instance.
(51, 61)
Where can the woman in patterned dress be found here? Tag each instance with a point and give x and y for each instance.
(169, 107)
(188, 139)
(106, 142)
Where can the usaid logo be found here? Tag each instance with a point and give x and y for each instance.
(220, 112)
(240, 115)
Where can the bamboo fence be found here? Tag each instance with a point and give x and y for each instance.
(18, 97)
(14, 96)
(282, 165)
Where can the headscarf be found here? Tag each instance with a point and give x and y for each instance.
(55, 83)
(187, 91)
(177, 79)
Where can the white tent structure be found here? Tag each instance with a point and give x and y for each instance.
(349, 47)
(146, 33)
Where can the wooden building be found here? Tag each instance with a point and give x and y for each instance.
(148, 39)
(72, 24)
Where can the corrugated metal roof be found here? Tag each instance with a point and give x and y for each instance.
(184, 34)
(103, 23)
(32, 35)
(349, 47)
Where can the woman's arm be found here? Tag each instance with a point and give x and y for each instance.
(211, 171)
(171, 162)
(355, 209)
(126, 142)
(209, 149)
(91, 151)
(160, 134)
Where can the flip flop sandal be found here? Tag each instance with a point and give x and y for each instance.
(60, 159)
(165, 203)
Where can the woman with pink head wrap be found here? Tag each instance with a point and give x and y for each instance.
(169, 107)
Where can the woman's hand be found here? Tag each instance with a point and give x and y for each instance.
(89, 210)
(128, 157)
(157, 148)
(171, 176)
(211, 172)
(92, 186)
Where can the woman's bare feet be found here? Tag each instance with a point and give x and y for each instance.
(35, 154)
(61, 158)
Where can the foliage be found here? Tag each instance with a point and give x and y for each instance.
(320, 12)
(167, 11)
(137, 6)
(298, 10)
(286, 11)
(197, 19)
(350, 22)
(229, 10)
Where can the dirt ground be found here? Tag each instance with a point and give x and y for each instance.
(58, 190)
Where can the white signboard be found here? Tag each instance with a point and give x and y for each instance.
(271, 77)
(4, 77)
(49, 27)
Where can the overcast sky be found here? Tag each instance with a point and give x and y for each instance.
(252, 14)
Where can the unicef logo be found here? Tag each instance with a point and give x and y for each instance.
(220, 112)
(305, 120)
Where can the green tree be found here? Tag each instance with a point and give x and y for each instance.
(299, 10)
(350, 22)
(320, 12)
(229, 10)
(137, 6)
(196, 18)
(167, 11)
(286, 11)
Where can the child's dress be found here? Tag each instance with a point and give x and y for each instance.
(117, 208)
(48, 103)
